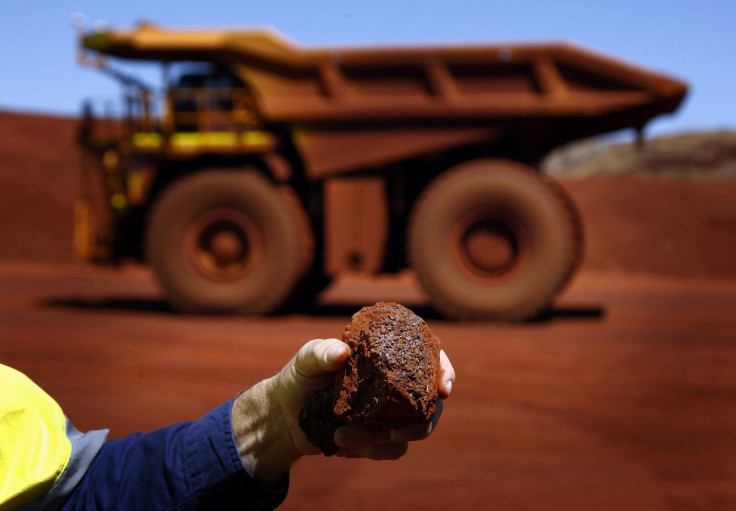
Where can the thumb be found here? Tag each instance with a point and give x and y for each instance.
(317, 359)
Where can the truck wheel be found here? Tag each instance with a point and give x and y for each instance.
(304, 226)
(489, 239)
(578, 237)
(225, 242)
(312, 278)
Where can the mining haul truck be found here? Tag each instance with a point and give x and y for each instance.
(259, 170)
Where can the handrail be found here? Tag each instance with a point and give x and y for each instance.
(179, 110)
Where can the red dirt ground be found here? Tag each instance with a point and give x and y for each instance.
(623, 396)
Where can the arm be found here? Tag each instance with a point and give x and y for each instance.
(265, 417)
(238, 455)
(186, 466)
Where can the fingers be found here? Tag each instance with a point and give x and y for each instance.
(311, 369)
(447, 376)
(379, 443)
(319, 357)
(379, 452)
(354, 435)
(369, 442)
(418, 431)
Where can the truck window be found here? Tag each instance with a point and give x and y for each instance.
(206, 98)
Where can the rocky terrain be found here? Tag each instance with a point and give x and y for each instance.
(696, 155)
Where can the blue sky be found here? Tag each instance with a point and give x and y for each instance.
(694, 41)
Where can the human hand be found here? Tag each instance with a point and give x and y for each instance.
(314, 369)
(269, 412)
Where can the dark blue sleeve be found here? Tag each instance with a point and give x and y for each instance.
(186, 466)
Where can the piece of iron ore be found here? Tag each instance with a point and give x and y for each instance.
(390, 378)
(318, 421)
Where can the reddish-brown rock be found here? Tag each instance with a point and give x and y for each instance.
(392, 374)
(390, 378)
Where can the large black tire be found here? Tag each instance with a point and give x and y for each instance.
(226, 242)
(489, 239)
(312, 277)
(578, 234)
(306, 233)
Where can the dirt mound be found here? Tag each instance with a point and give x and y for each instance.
(39, 181)
(705, 155)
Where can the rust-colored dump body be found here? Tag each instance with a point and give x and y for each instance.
(357, 107)
(264, 169)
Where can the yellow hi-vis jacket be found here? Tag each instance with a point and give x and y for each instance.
(36, 441)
